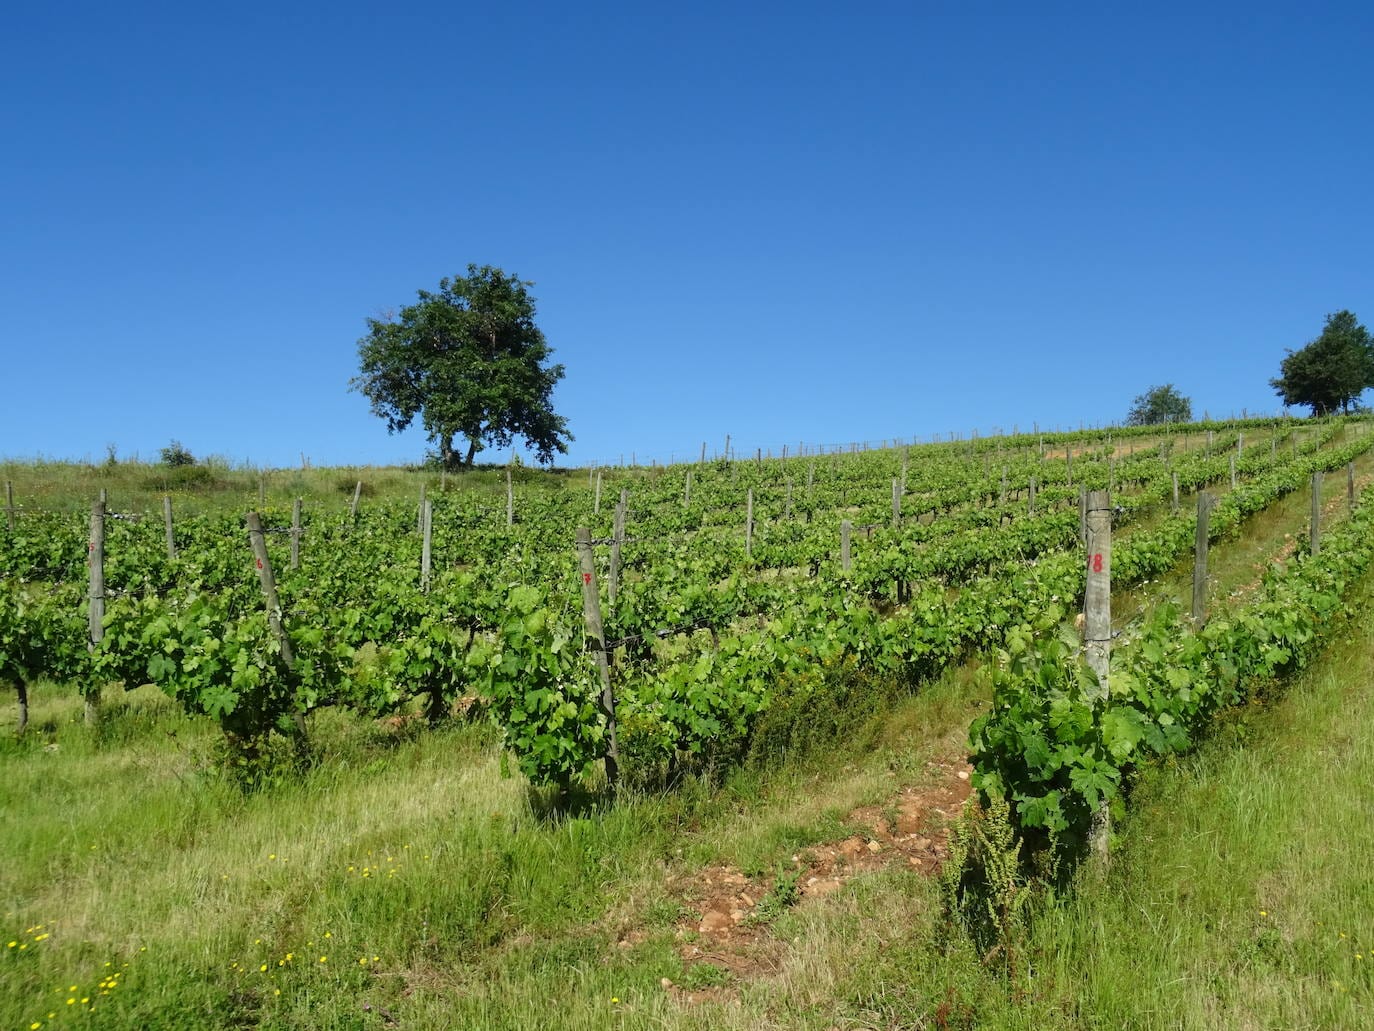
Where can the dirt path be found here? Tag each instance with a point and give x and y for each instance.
(727, 915)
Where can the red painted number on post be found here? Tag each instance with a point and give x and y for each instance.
(1097, 563)
(259, 561)
(586, 578)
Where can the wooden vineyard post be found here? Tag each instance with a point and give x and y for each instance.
(1315, 533)
(1205, 502)
(727, 447)
(420, 512)
(9, 503)
(749, 524)
(426, 529)
(353, 508)
(702, 463)
(758, 458)
(167, 519)
(1240, 444)
(596, 502)
(810, 477)
(96, 598)
(296, 534)
(1350, 485)
(591, 615)
(258, 542)
(846, 530)
(618, 539)
(1097, 613)
(896, 504)
(687, 491)
(1097, 607)
(788, 513)
(1174, 508)
(1208, 451)
(510, 500)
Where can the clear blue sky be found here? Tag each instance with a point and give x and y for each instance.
(785, 222)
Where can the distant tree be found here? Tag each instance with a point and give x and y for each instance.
(177, 454)
(470, 362)
(1331, 371)
(1159, 404)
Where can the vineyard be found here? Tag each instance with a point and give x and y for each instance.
(641, 640)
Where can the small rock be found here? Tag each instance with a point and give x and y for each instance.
(875, 846)
(665, 982)
(963, 774)
(715, 920)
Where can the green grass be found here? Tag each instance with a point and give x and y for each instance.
(1238, 872)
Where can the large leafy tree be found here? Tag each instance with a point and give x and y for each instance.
(1159, 404)
(1331, 371)
(471, 363)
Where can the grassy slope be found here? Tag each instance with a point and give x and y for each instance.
(124, 844)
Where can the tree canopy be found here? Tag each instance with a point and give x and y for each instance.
(1159, 404)
(469, 361)
(1331, 371)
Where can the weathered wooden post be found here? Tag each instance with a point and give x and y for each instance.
(617, 540)
(1097, 619)
(596, 502)
(353, 508)
(1315, 530)
(420, 512)
(167, 520)
(296, 534)
(702, 463)
(591, 615)
(95, 598)
(1205, 502)
(749, 524)
(426, 530)
(258, 542)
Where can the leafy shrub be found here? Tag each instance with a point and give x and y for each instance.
(176, 454)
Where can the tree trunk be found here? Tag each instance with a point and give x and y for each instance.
(472, 450)
(446, 450)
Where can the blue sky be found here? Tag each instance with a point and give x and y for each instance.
(786, 222)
